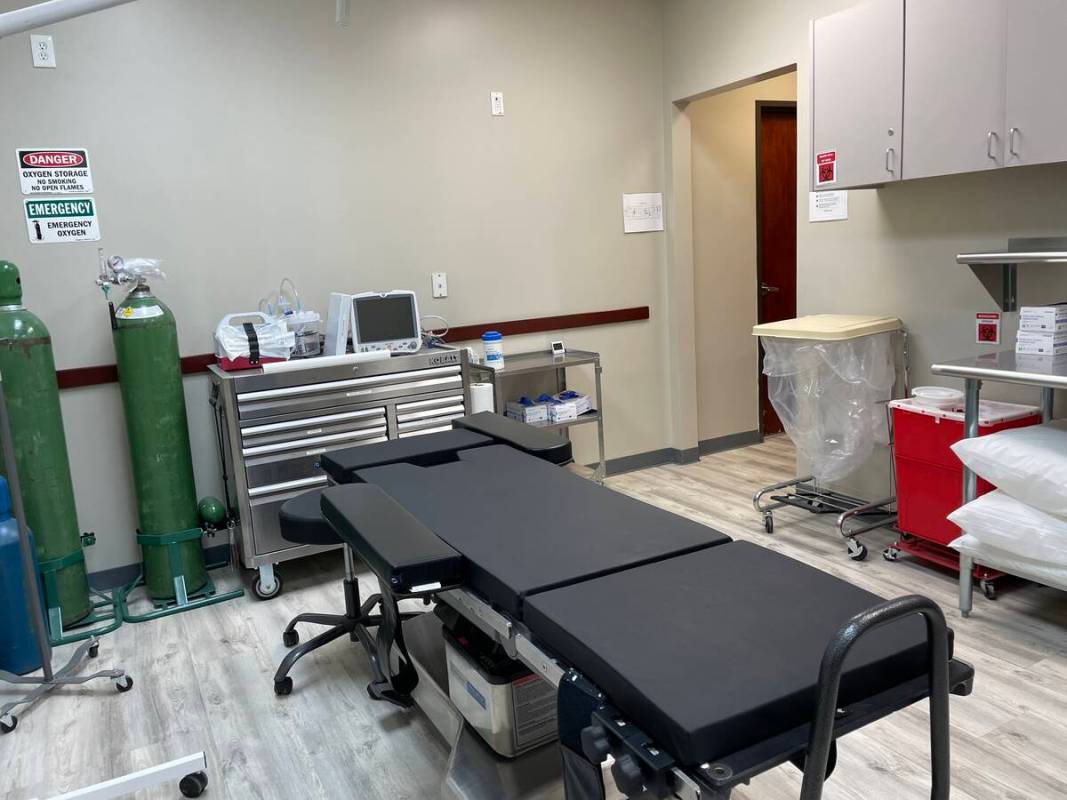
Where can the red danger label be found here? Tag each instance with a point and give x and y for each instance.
(825, 167)
(44, 159)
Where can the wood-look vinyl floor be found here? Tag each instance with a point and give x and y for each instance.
(203, 682)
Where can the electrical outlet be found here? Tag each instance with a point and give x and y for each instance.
(440, 284)
(496, 103)
(44, 54)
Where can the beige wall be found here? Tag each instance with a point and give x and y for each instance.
(896, 253)
(724, 254)
(244, 141)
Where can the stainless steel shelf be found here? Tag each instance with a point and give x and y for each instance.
(524, 363)
(588, 416)
(998, 270)
(1007, 367)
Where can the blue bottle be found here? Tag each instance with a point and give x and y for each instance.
(18, 648)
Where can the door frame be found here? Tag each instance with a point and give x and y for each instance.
(760, 105)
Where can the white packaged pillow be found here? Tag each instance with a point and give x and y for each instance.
(1013, 565)
(1028, 463)
(998, 521)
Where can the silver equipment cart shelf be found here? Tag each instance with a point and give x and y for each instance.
(1005, 367)
(273, 426)
(543, 361)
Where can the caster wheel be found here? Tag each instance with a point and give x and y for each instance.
(124, 684)
(263, 594)
(284, 686)
(8, 723)
(989, 590)
(193, 785)
(856, 551)
(768, 523)
(891, 554)
(291, 638)
(94, 650)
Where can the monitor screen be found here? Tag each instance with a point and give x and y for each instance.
(384, 319)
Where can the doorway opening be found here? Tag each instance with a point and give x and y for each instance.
(776, 229)
(744, 201)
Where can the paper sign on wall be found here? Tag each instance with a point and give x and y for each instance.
(826, 167)
(827, 206)
(987, 327)
(642, 212)
(54, 171)
(61, 219)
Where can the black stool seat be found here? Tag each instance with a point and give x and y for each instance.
(302, 522)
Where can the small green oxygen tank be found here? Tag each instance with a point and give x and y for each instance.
(29, 374)
(150, 378)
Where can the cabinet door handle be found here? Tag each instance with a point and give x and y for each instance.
(890, 159)
(1011, 142)
(989, 144)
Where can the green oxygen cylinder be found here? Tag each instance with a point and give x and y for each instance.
(29, 375)
(150, 378)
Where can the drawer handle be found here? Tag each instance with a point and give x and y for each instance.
(1011, 142)
(890, 159)
(989, 144)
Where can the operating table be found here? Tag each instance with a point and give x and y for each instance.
(694, 661)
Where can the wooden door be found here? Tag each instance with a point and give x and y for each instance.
(858, 85)
(1036, 128)
(776, 221)
(954, 76)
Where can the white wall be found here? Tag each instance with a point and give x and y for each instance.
(245, 141)
(896, 253)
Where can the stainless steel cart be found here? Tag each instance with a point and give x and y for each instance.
(544, 362)
(1047, 374)
(273, 427)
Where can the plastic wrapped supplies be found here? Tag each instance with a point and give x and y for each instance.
(830, 397)
(250, 339)
(1000, 521)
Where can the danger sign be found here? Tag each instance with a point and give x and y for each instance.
(825, 167)
(60, 220)
(54, 171)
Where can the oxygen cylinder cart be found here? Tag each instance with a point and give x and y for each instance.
(145, 336)
(75, 612)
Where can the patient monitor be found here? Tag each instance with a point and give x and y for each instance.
(377, 321)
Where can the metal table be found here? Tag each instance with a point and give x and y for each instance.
(1044, 372)
(543, 361)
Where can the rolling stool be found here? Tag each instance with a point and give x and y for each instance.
(302, 523)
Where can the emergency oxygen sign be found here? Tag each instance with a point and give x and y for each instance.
(54, 171)
(62, 219)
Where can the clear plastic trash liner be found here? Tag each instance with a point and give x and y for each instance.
(830, 397)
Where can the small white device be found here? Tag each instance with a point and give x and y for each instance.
(385, 321)
(338, 323)
(558, 349)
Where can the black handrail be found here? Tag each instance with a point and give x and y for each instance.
(833, 662)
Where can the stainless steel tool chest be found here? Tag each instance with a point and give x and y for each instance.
(274, 426)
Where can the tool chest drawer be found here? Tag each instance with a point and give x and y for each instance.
(274, 427)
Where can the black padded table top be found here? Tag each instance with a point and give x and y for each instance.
(548, 445)
(426, 450)
(524, 525)
(717, 650)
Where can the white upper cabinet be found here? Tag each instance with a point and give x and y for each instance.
(857, 75)
(954, 86)
(1036, 121)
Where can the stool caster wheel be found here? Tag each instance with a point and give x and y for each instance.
(284, 686)
(8, 723)
(989, 590)
(123, 684)
(768, 523)
(856, 551)
(94, 649)
(193, 785)
(891, 554)
(291, 638)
